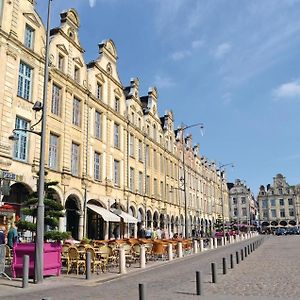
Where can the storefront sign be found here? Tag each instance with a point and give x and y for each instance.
(8, 175)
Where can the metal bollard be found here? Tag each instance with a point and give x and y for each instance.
(248, 248)
(199, 284)
(122, 261)
(213, 273)
(142, 291)
(242, 254)
(231, 261)
(25, 271)
(179, 249)
(88, 272)
(142, 257)
(170, 252)
(245, 252)
(224, 266)
(237, 257)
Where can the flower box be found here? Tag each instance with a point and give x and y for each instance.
(52, 259)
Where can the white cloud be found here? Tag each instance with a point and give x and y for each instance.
(163, 82)
(227, 98)
(92, 3)
(221, 50)
(293, 157)
(178, 55)
(289, 90)
(197, 44)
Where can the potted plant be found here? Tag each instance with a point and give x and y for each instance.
(52, 237)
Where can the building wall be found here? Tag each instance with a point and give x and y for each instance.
(149, 153)
(278, 203)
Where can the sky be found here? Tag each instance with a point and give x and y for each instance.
(232, 64)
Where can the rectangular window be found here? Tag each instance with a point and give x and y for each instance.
(147, 155)
(281, 202)
(21, 143)
(162, 189)
(291, 212)
(25, 81)
(116, 172)
(147, 185)
(98, 117)
(161, 163)
(97, 166)
(141, 182)
(29, 37)
(265, 214)
(243, 200)
(53, 151)
(117, 104)
(131, 145)
(154, 159)
(244, 211)
(99, 91)
(235, 212)
(233, 200)
(273, 202)
(273, 213)
(75, 159)
(76, 111)
(116, 135)
(76, 74)
(56, 100)
(131, 179)
(290, 200)
(155, 187)
(61, 62)
(132, 118)
(140, 150)
(264, 203)
(282, 213)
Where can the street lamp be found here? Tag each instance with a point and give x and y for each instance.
(182, 129)
(222, 170)
(39, 239)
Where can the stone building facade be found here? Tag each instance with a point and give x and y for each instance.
(278, 204)
(243, 206)
(106, 145)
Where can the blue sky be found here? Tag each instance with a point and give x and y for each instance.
(232, 64)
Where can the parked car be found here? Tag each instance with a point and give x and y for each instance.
(292, 230)
(280, 231)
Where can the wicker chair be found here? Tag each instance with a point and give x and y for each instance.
(75, 261)
(159, 250)
(95, 260)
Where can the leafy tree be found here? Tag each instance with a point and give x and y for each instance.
(53, 211)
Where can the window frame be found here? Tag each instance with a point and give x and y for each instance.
(29, 38)
(24, 81)
(21, 145)
(53, 150)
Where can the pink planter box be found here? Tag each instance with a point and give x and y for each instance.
(52, 259)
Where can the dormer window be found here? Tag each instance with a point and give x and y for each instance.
(99, 91)
(117, 104)
(29, 37)
(76, 74)
(61, 62)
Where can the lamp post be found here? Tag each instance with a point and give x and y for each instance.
(221, 169)
(182, 129)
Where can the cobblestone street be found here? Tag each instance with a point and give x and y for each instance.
(271, 271)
